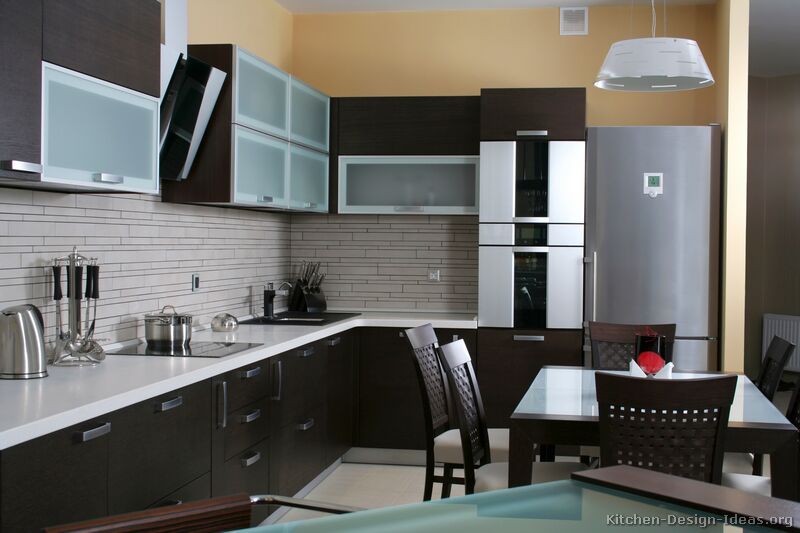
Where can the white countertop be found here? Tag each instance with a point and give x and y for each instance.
(32, 408)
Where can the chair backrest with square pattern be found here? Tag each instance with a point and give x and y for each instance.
(778, 353)
(432, 382)
(675, 426)
(468, 407)
(613, 344)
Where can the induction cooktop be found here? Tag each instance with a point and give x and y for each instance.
(195, 349)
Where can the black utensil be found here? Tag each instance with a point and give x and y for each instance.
(57, 295)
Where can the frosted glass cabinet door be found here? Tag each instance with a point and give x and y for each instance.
(310, 116)
(96, 134)
(262, 95)
(260, 169)
(408, 184)
(308, 181)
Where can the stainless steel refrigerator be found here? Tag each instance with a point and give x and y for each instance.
(653, 233)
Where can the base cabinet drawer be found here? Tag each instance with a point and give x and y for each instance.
(509, 359)
(245, 426)
(297, 383)
(158, 446)
(247, 384)
(296, 454)
(198, 489)
(246, 472)
(56, 479)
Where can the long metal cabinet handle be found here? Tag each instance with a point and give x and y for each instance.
(20, 166)
(594, 285)
(310, 205)
(530, 249)
(409, 208)
(103, 177)
(305, 426)
(91, 434)
(529, 338)
(334, 341)
(250, 372)
(532, 133)
(277, 377)
(250, 460)
(222, 404)
(306, 352)
(265, 199)
(255, 414)
(177, 401)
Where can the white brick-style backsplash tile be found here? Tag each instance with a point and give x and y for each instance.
(382, 262)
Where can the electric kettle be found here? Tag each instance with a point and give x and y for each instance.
(22, 353)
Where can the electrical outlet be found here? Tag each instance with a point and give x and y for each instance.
(195, 282)
(434, 274)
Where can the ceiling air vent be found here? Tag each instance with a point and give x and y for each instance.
(574, 21)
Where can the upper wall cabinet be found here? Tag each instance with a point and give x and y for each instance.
(400, 134)
(554, 114)
(92, 68)
(251, 153)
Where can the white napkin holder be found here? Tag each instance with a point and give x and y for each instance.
(637, 372)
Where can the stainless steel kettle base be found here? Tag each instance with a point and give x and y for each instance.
(24, 376)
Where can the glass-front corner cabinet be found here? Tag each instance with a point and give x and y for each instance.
(97, 135)
(308, 179)
(261, 95)
(445, 185)
(260, 169)
(309, 117)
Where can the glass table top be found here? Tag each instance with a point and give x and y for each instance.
(557, 507)
(570, 392)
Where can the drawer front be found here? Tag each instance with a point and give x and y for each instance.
(246, 426)
(247, 384)
(158, 446)
(296, 455)
(56, 479)
(247, 472)
(554, 114)
(199, 489)
(297, 378)
(509, 359)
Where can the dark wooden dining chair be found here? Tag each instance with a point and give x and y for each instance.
(481, 473)
(224, 513)
(778, 353)
(442, 439)
(613, 344)
(757, 483)
(675, 426)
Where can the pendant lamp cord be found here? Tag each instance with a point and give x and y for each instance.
(653, 12)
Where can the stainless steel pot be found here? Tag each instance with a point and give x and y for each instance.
(167, 330)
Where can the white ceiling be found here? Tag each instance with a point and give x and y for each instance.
(334, 6)
(774, 37)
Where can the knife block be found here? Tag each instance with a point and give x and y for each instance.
(304, 300)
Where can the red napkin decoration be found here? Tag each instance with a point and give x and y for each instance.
(650, 362)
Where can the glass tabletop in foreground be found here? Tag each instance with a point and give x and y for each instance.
(570, 392)
(557, 507)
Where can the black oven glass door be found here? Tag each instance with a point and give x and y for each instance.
(530, 288)
(531, 181)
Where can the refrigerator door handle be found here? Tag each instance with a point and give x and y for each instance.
(678, 338)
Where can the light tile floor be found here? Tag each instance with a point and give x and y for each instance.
(370, 486)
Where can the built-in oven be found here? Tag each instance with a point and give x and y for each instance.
(532, 180)
(530, 276)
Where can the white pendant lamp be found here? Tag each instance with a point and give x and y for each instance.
(655, 64)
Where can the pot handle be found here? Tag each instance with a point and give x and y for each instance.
(174, 312)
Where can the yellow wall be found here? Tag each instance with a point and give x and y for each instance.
(733, 24)
(459, 52)
(263, 27)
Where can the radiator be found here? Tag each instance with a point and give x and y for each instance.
(787, 327)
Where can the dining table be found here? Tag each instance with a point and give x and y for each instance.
(618, 498)
(560, 408)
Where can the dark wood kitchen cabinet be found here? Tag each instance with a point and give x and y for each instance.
(389, 403)
(158, 446)
(551, 114)
(240, 433)
(509, 359)
(340, 396)
(58, 478)
(117, 41)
